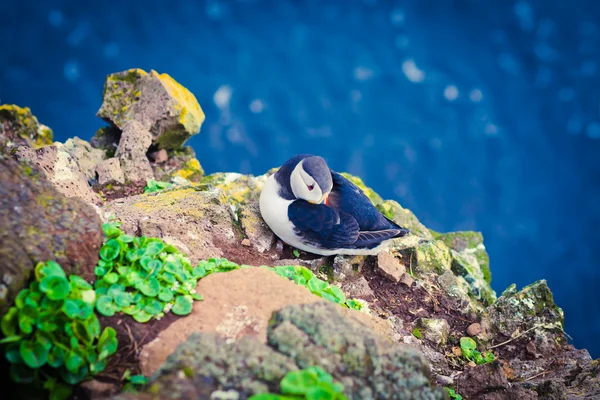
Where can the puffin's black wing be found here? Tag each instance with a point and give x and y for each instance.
(322, 225)
(347, 197)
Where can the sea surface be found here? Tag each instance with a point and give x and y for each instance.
(475, 114)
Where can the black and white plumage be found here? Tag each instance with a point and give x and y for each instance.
(317, 210)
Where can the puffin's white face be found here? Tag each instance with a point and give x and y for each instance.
(305, 187)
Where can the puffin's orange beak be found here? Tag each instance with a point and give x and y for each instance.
(324, 199)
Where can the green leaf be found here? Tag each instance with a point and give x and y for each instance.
(20, 373)
(79, 282)
(111, 229)
(153, 248)
(107, 344)
(138, 380)
(20, 299)
(468, 346)
(296, 253)
(123, 299)
(100, 271)
(168, 277)
(97, 366)
(165, 295)
(298, 382)
(34, 299)
(85, 309)
(93, 326)
(56, 357)
(74, 362)
(49, 268)
(150, 287)
(105, 306)
(452, 394)
(34, 354)
(55, 287)
(111, 278)
(133, 278)
(197, 296)
(71, 308)
(47, 322)
(142, 316)
(10, 322)
(132, 255)
(125, 238)
(27, 318)
(110, 250)
(154, 307)
(13, 353)
(74, 378)
(131, 310)
(60, 391)
(10, 339)
(199, 272)
(183, 305)
(139, 241)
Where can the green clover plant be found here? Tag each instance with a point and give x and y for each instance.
(305, 277)
(143, 277)
(311, 383)
(468, 347)
(452, 394)
(52, 335)
(155, 186)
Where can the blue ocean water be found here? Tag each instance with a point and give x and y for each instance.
(475, 114)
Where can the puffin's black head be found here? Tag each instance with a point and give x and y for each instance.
(308, 177)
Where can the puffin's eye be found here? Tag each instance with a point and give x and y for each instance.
(310, 187)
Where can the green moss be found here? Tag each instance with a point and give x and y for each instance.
(19, 125)
(417, 333)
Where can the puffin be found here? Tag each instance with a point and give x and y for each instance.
(317, 210)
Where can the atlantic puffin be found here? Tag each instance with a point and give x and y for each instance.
(315, 209)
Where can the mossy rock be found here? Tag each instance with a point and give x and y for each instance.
(431, 256)
(159, 103)
(19, 127)
(470, 242)
(38, 224)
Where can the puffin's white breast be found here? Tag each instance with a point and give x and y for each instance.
(274, 210)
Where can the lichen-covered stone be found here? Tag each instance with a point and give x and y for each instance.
(85, 156)
(61, 170)
(106, 139)
(347, 268)
(258, 232)
(161, 105)
(38, 224)
(299, 336)
(189, 219)
(435, 330)
(191, 170)
(19, 127)
(109, 171)
(432, 256)
(471, 243)
(131, 152)
(465, 265)
(531, 307)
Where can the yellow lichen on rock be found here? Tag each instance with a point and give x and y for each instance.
(192, 170)
(19, 125)
(191, 115)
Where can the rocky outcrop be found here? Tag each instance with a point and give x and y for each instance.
(38, 224)
(19, 127)
(298, 336)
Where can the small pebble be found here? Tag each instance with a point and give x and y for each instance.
(161, 156)
(407, 280)
(474, 329)
(246, 242)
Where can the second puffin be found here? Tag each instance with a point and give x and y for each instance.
(317, 210)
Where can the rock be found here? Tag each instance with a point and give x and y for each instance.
(190, 170)
(432, 257)
(19, 127)
(38, 224)
(552, 390)
(488, 382)
(458, 289)
(160, 156)
(61, 170)
(109, 171)
(237, 304)
(106, 139)
(465, 265)
(246, 242)
(517, 312)
(472, 243)
(258, 232)
(359, 289)
(298, 336)
(347, 267)
(135, 141)
(474, 329)
(389, 266)
(156, 101)
(407, 280)
(191, 220)
(85, 156)
(97, 390)
(433, 329)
